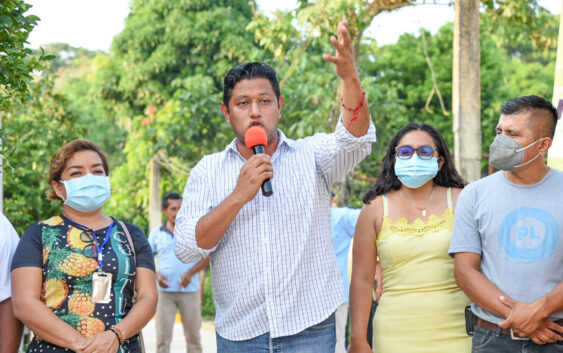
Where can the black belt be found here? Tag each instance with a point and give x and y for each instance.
(505, 331)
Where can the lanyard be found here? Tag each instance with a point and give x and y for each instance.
(99, 249)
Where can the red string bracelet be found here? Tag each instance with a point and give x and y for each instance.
(356, 110)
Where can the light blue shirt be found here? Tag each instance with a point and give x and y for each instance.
(343, 221)
(518, 231)
(162, 244)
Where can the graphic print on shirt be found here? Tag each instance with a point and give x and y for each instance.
(69, 260)
(529, 235)
(66, 258)
(125, 277)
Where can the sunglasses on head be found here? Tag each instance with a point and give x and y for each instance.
(406, 152)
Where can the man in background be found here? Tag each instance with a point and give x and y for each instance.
(178, 283)
(343, 223)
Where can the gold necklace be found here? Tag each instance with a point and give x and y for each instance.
(425, 205)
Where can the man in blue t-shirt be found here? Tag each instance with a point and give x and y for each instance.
(343, 223)
(178, 283)
(508, 237)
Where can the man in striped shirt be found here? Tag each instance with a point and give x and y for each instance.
(276, 283)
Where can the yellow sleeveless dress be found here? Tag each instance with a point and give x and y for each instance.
(421, 308)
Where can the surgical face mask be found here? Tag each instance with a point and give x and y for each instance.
(507, 154)
(87, 193)
(415, 172)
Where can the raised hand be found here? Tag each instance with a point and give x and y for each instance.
(344, 60)
(353, 99)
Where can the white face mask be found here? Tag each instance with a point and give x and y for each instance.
(87, 193)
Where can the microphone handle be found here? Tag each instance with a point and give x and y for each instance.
(267, 184)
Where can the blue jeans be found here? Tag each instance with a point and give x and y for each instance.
(487, 341)
(319, 338)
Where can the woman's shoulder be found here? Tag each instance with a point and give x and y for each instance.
(455, 192)
(374, 204)
(131, 227)
(35, 230)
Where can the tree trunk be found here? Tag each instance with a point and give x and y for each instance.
(466, 90)
(155, 201)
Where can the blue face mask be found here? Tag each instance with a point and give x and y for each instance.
(415, 172)
(87, 193)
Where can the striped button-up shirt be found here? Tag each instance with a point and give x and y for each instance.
(274, 270)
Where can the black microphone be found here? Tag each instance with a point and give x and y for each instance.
(257, 140)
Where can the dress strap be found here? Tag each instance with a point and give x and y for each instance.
(449, 193)
(385, 206)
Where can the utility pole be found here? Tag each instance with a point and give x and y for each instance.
(466, 90)
(555, 154)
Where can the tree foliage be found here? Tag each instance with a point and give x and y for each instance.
(172, 57)
(16, 61)
(33, 132)
(157, 94)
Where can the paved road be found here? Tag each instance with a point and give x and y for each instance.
(178, 344)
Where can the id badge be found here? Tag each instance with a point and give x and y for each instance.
(101, 287)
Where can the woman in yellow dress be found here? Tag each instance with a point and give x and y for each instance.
(407, 222)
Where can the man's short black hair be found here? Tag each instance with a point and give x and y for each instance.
(543, 117)
(170, 196)
(249, 71)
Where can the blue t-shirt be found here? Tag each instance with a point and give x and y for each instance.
(518, 231)
(162, 244)
(343, 221)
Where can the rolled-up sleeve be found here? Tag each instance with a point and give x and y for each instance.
(196, 203)
(338, 153)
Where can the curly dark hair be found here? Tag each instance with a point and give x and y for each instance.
(387, 180)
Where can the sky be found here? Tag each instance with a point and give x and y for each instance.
(92, 24)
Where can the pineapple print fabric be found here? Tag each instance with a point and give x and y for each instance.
(66, 254)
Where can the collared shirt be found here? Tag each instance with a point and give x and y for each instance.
(343, 222)
(162, 244)
(274, 270)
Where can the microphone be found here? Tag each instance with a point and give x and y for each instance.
(256, 140)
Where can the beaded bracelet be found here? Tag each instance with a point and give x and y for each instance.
(118, 334)
(356, 110)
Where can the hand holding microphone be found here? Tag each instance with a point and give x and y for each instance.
(257, 140)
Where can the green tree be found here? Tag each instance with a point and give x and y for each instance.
(33, 133)
(397, 78)
(16, 62)
(171, 57)
(79, 83)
